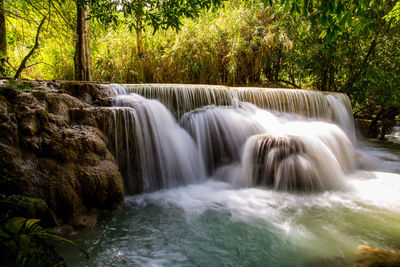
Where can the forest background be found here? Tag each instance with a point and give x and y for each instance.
(341, 46)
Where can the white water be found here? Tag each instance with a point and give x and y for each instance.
(242, 144)
(168, 156)
(245, 213)
(394, 136)
(323, 154)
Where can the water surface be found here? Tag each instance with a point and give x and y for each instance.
(215, 224)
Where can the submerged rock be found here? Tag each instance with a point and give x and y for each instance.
(369, 256)
(45, 153)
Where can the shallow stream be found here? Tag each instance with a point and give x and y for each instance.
(215, 224)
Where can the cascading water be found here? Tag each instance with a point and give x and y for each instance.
(255, 146)
(181, 99)
(219, 133)
(280, 153)
(341, 113)
(238, 141)
(167, 154)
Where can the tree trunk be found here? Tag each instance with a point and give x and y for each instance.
(331, 80)
(82, 51)
(139, 41)
(3, 39)
(22, 66)
(139, 28)
(373, 127)
(278, 64)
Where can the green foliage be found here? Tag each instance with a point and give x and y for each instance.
(155, 13)
(22, 240)
(22, 19)
(332, 18)
(394, 14)
(232, 45)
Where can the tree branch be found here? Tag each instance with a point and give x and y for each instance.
(37, 63)
(353, 79)
(290, 83)
(26, 58)
(61, 15)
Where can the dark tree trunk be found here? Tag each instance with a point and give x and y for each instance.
(383, 122)
(139, 28)
(388, 121)
(331, 81)
(82, 52)
(278, 64)
(22, 66)
(139, 40)
(3, 39)
(268, 68)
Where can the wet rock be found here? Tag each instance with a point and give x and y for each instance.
(84, 221)
(62, 230)
(45, 152)
(90, 93)
(369, 256)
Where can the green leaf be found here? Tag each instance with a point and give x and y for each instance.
(31, 222)
(48, 236)
(322, 34)
(24, 242)
(15, 224)
(4, 234)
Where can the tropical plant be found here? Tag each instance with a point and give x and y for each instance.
(23, 241)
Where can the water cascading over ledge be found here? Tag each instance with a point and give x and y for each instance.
(180, 99)
(231, 138)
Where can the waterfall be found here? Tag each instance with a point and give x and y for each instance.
(307, 156)
(168, 156)
(123, 135)
(341, 113)
(180, 99)
(270, 151)
(220, 133)
(281, 138)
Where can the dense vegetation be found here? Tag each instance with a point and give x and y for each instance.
(23, 240)
(343, 46)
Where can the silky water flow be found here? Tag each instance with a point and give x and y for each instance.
(243, 177)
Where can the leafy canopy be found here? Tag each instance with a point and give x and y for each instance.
(334, 17)
(159, 14)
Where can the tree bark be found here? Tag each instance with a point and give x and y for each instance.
(82, 51)
(139, 29)
(278, 64)
(139, 40)
(3, 39)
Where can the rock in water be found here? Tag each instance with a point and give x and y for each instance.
(370, 256)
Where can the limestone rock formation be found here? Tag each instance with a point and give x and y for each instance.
(45, 153)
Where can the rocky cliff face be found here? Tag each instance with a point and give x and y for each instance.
(53, 145)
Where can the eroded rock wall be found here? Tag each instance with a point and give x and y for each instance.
(52, 147)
